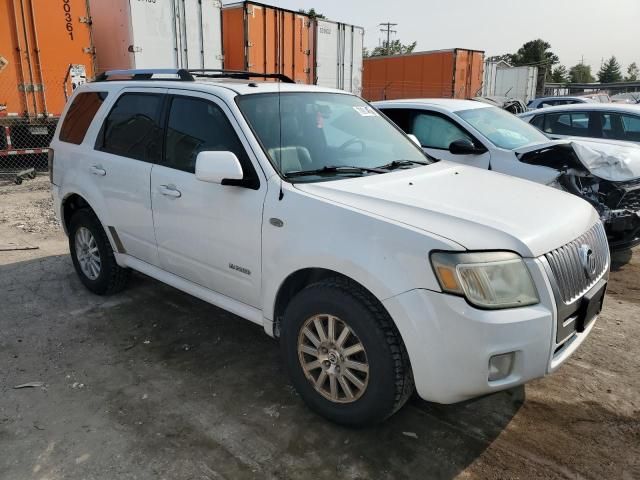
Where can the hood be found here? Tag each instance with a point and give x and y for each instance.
(478, 209)
(611, 160)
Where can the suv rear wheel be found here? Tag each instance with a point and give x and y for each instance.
(92, 255)
(344, 355)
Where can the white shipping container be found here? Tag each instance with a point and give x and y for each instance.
(502, 80)
(157, 33)
(338, 52)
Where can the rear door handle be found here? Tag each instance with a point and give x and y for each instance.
(170, 191)
(98, 170)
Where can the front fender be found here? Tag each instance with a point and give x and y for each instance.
(386, 258)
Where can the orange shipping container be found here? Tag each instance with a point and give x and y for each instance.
(45, 48)
(45, 51)
(453, 73)
(265, 39)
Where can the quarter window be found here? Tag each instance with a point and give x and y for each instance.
(80, 115)
(132, 128)
(196, 125)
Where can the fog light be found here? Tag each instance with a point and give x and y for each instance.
(500, 366)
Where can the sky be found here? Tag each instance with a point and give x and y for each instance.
(574, 28)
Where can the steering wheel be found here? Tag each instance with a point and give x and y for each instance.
(350, 142)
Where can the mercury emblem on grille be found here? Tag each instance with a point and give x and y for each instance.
(588, 260)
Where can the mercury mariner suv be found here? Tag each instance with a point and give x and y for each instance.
(306, 211)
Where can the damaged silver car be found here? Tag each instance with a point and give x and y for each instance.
(604, 172)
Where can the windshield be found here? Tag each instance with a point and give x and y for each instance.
(502, 128)
(321, 131)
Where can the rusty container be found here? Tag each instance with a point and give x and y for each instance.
(455, 73)
(264, 39)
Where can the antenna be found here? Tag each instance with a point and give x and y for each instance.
(280, 152)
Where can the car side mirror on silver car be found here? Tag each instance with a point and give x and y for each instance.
(217, 167)
(464, 146)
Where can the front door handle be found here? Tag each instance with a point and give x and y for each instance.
(98, 170)
(170, 191)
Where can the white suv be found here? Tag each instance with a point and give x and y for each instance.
(304, 210)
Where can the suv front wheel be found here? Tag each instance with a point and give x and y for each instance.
(344, 355)
(92, 255)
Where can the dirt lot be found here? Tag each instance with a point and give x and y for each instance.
(152, 383)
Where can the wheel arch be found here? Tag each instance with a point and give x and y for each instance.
(298, 280)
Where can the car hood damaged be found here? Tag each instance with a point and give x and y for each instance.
(467, 205)
(613, 161)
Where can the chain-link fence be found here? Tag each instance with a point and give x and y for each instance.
(31, 101)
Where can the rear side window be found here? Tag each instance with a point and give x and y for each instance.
(80, 115)
(196, 125)
(576, 124)
(132, 128)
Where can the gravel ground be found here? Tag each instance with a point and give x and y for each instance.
(152, 383)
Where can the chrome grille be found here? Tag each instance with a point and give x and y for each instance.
(568, 268)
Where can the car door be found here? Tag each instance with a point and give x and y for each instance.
(209, 234)
(436, 131)
(128, 143)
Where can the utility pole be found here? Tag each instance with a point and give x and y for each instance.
(389, 31)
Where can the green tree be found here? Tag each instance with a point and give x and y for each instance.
(633, 73)
(611, 71)
(560, 74)
(581, 73)
(312, 13)
(535, 52)
(395, 48)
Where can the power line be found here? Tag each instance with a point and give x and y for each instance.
(389, 31)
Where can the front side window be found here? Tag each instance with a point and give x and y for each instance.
(132, 128)
(502, 128)
(309, 131)
(435, 131)
(197, 125)
(575, 124)
(80, 115)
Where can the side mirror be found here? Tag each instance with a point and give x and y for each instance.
(217, 167)
(464, 146)
(414, 139)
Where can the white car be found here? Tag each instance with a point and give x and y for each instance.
(608, 121)
(305, 211)
(606, 173)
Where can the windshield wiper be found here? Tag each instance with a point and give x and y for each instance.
(333, 169)
(401, 163)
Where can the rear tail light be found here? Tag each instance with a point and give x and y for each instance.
(50, 164)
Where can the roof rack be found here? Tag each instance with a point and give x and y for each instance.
(240, 74)
(147, 74)
(184, 75)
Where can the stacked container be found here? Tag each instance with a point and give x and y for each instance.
(338, 55)
(45, 52)
(157, 34)
(264, 39)
(453, 73)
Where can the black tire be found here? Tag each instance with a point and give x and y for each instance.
(390, 380)
(112, 278)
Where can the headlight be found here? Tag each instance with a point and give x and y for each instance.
(486, 279)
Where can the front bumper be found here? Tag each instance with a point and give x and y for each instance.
(450, 342)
